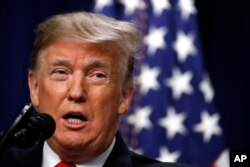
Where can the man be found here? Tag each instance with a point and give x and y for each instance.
(81, 74)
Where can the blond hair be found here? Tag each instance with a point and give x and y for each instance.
(91, 28)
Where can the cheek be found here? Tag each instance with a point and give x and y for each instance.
(50, 96)
(105, 97)
(105, 105)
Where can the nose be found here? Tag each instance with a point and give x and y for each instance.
(77, 89)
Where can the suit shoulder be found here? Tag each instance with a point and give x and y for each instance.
(139, 160)
(167, 164)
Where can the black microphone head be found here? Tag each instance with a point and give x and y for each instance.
(41, 126)
(45, 123)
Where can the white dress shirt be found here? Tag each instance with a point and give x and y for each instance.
(50, 158)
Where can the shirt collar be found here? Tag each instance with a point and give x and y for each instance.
(50, 158)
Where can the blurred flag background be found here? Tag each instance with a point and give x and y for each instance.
(173, 116)
(191, 102)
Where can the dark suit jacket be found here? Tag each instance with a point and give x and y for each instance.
(119, 157)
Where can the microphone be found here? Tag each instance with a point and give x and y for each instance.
(28, 128)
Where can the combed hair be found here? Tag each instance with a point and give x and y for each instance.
(89, 28)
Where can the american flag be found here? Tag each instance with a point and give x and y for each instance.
(173, 117)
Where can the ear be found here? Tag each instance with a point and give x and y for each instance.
(33, 87)
(125, 100)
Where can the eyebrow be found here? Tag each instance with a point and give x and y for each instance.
(59, 62)
(98, 64)
(90, 65)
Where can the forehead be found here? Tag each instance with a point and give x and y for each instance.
(75, 51)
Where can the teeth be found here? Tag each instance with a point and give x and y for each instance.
(74, 120)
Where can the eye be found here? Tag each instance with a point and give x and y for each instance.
(59, 74)
(98, 77)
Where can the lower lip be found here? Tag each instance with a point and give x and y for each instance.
(75, 125)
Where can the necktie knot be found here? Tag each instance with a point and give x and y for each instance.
(65, 164)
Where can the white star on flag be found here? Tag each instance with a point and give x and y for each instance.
(148, 79)
(180, 83)
(155, 39)
(159, 6)
(131, 6)
(206, 89)
(209, 126)
(223, 159)
(140, 118)
(187, 8)
(184, 46)
(100, 4)
(173, 123)
(167, 156)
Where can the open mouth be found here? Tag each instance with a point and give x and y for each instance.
(75, 117)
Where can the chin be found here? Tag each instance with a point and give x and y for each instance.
(71, 140)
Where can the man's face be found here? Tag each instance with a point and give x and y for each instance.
(80, 86)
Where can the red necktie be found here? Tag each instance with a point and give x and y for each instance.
(65, 164)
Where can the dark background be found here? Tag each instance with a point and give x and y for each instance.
(224, 27)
